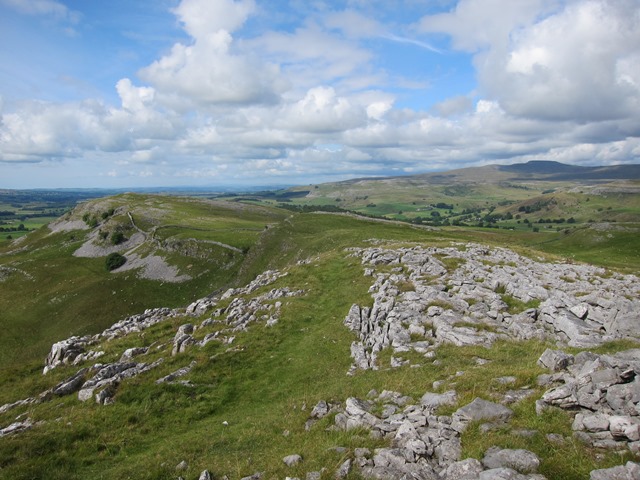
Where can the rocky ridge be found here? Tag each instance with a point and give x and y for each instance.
(100, 381)
(474, 295)
(422, 297)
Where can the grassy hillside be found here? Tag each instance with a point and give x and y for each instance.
(46, 292)
(246, 402)
(247, 405)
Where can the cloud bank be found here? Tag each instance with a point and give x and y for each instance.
(558, 80)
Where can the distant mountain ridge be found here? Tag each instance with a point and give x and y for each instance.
(561, 171)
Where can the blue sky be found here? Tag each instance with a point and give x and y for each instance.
(248, 92)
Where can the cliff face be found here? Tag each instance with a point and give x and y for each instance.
(423, 303)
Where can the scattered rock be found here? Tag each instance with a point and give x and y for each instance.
(181, 372)
(523, 461)
(343, 470)
(320, 410)
(564, 314)
(555, 360)
(480, 409)
(604, 390)
(70, 385)
(16, 427)
(435, 400)
(630, 471)
(291, 460)
(255, 476)
(129, 353)
(205, 475)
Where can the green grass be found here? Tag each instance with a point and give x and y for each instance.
(517, 306)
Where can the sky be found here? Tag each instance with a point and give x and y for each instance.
(147, 93)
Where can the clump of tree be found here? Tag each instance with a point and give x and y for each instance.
(117, 238)
(90, 220)
(108, 213)
(442, 205)
(115, 260)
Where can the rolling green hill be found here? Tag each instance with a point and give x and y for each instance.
(266, 339)
(494, 196)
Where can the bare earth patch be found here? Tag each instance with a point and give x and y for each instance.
(67, 226)
(90, 250)
(153, 267)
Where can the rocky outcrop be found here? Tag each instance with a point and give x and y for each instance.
(425, 445)
(181, 372)
(74, 349)
(16, 427)
(183, 339)
(239, 314)
(105, 381)
(474, 295)
(265, 278)
(603, 390)
(522, 461)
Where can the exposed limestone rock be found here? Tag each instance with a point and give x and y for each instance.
(320, 410)
(205, 475)
(70, 385)
(422, 298)
(16, 427)
(129, 353)
(463, 470)
(65, 352)
(10, 406)
(604, 390)
(630, 471)
(433, 401)
(480, 409)
(501, 474)
(73, 349)
(87, 356)
(523, 461)
(255, 476)
(466, 305)
(183, 339)
(108, 377)
(291, 460)
(138, 323)
(425, 446)
(200, 307)
(555, 360)
(181, 372)
(262, 280)
(242, 312)
(344, 469)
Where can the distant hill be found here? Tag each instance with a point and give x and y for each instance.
(550, 170)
